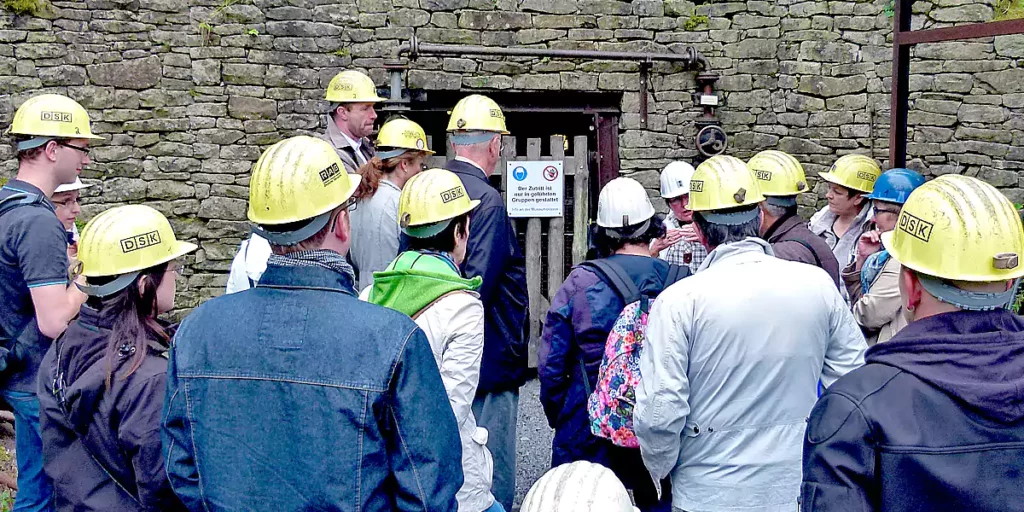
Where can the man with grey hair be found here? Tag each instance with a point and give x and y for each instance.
(729, 373)
(493, 253)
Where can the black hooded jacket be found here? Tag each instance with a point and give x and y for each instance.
(117, 427)
(933, 421)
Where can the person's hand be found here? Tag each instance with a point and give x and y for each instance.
(689, 233)
(868, 243)
(672, 237)
(73, 251)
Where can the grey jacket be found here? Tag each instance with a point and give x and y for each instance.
(375, 232)
(729, 375)
(345, 150)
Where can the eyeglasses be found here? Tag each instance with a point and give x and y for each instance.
(84, 151)
(66, 202)
(891, 212)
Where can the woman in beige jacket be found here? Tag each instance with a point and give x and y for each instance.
(872, 280)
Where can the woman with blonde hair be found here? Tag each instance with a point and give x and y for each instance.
(401, 149)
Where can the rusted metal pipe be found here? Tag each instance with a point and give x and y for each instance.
(414, 48)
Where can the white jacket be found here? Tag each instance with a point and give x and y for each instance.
(454, 325)
(249, 264)
(730, 370)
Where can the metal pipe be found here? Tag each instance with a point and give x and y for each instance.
(414, 48)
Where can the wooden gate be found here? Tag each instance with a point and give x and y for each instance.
(545, 263)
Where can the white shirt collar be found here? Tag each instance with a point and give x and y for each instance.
(470, 162)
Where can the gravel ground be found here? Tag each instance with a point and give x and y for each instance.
(534, 446)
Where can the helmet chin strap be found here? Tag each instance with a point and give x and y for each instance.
(106, 290)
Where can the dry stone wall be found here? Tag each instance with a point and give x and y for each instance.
(188, 92)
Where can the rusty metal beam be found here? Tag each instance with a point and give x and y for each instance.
(959, 33)
(900, 82)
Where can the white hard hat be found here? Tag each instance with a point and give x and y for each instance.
(675, 179)
(623, 202)
(69, 187)
(578, 487)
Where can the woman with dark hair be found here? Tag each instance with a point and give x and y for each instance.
(401, 148)
(101, 384)
(582, 315)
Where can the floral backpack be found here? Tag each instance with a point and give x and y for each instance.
(611, 403)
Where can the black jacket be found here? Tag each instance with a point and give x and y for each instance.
(493, 254)
(117, 427)
(792, 241)
(933, 421)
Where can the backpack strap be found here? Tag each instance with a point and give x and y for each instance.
(817, 260)
(675, 273)
(615, 275)
(20, 199)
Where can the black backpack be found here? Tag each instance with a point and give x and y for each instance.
(9, 341)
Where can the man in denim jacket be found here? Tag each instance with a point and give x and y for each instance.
(294, 395)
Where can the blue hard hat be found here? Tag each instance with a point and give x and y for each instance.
(895, 185)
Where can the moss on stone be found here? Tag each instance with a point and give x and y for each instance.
(23, 6)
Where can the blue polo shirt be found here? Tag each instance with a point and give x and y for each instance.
(33, 253)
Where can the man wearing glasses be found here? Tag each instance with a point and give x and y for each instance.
(52, 134)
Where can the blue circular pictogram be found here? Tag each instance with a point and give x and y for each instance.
(519, 173)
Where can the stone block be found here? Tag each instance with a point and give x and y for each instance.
(937, 106)
(976, 13)
(798, 146)
(953, 82)
(955, 50)
(169, 190)
(546, 82)
(550, 6)
(932, 134)
(243, 74)
(826, 51)
(280, 76)
(1007, 81)
(244, 107)
(590, 34)
(678, 8)
(614, 22)
(487, 82)
(434, 80)
(981, 114)
(505, 67)
(62, 75)
(576, 81)
(453, 65)
(618, 82)
(751, 49)
(985, 135)
(801, 103)
(917, 117)
(494, 20)
(538, 35)
(157, 125)
(558, 21)
(409, 17)
(443, 5)
(289, 13)
(604, 7)
(1011, 46)
(742, 21)
(751, 99)
(830, 87)
(735, 83)
(849, 102)
(448, 36)
(129, 74)
(224, 208)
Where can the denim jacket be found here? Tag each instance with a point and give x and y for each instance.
(295, 395)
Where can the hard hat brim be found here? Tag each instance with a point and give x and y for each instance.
(677, 194)
(831, 178)
(429, 229)
(903, 259)
(368, 99)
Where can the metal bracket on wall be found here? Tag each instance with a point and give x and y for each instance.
(645, 76)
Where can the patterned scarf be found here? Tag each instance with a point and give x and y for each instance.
(872, 266)
(315, 258)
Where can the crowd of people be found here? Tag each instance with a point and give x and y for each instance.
(369, 350)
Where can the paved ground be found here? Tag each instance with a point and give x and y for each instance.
(534, 445)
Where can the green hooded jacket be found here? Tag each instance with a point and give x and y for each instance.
(414, 280)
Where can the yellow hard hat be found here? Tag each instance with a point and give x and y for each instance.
(398, 136)
(50, 116)
(722, 183)
(298, 179)
(351, 86)
(856, 172)
(780, 176)
(960, 228)
(123, 241)
(477, 113)
(430, 200)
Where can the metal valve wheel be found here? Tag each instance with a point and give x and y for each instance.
(711, 140)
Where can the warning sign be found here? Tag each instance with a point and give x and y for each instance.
(535, 189)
